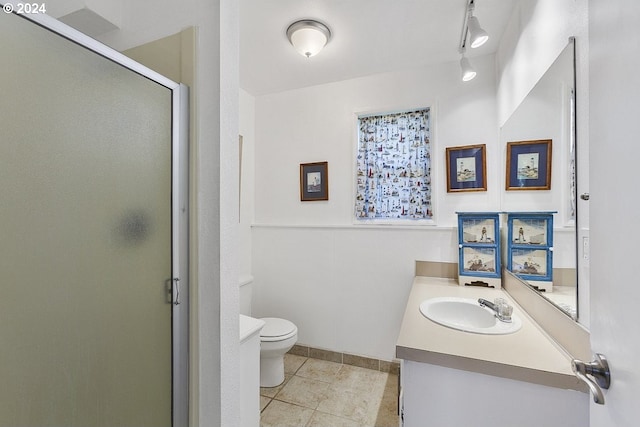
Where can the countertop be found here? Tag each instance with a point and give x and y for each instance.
(249, 326)
(527, 355)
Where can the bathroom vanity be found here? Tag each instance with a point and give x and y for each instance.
(454, 378)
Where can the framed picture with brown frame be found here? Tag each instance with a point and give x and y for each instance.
(314, 181)
(529, 165)
(467, 168)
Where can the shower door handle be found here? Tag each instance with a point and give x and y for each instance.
(176, 291)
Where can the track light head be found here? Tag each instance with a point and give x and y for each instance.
(477, 36)
(468, 73)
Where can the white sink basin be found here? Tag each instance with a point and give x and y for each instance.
(466, 314)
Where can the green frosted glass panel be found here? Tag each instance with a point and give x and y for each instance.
(85, 237)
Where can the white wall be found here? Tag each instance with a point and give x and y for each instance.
(345, 285)
(318, 124)
(247, 185)
(111, 11)
(537, 33)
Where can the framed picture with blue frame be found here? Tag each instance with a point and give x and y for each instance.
(529, 165)
(479, 247)
(467, 168)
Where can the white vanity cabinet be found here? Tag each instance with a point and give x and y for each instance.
(451, 378)
(446, 397)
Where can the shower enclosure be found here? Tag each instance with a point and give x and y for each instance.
(93, 234)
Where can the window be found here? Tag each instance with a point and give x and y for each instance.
(393, 166)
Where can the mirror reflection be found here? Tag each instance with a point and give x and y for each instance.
(548, 113)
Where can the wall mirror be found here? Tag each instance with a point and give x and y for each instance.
(548, 113)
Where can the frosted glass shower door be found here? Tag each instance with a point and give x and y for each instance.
(85, 236)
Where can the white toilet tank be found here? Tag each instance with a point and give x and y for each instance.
(246, 292)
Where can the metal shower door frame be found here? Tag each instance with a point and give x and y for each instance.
(179, 202)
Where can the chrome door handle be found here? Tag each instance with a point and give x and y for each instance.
(595, 374)
(177, 286)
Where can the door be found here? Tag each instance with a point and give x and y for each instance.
(614, 144)
(88, 236)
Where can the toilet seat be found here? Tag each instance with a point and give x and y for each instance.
(276, 329)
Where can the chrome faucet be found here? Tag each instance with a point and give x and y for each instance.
(484, 303)
(501, 309)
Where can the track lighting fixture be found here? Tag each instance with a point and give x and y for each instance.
(477, 37)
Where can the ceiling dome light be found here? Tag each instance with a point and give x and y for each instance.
(308, 36)
(468, 73)
(477, 36)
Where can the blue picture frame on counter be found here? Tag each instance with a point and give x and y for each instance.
(530, 245)
(479, 247)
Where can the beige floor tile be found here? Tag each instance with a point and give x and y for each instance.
(387, 408)
(292, 363)
(387, 419)
(377, 407)
(273, 391)
(391, 387)
(343, 396)
(392, 381)
(360, 379)
(304, 392)
(320, 419)
(282, 414)
(346, 403)
(264, 401)
(320, 370)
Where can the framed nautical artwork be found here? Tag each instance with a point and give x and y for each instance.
(466, 168)
(478, 229)
(479, 261)
(529, 165)
(530, 231)
(314, 181)
(530, 262)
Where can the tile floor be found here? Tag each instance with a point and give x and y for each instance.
(318, 393)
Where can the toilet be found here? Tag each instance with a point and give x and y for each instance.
(276, 338)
